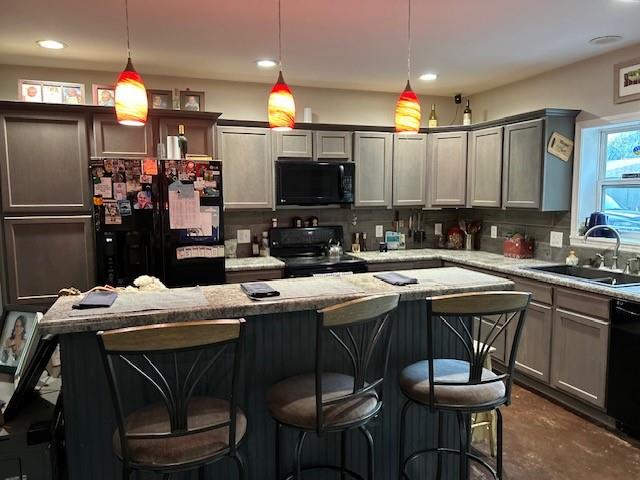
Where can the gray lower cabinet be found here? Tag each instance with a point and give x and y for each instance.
(110, 139)
(579, 356)
(409, 170)
(484, 168)
(373, 155)
(333, 145)
(199, 133)
(44, 163)
(534, 350)
(522, 164)
(47, 253)
(247, 167)
(447, 169)
(293, 144)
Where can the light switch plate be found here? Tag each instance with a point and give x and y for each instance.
(379, 231)
(494, 231)
(243, 236)
(555, 239)
(437, 229)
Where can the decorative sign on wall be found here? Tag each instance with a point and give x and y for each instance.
(45, 91)
(560, 146)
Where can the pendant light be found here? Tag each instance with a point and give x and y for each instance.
(282, 107)
(131, 96)
(408, 106)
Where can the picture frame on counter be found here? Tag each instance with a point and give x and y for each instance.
(104, 95)
(191, 101)
(17, 329)
(626, 81)
(46, 91)
(160, 99)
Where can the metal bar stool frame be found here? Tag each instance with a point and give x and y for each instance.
(512, 306)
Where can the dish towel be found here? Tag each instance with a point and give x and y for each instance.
(395, 278)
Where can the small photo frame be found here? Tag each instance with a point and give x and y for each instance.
(104, 95)
(160, 99)
(51, 93)
(626, 81)
(560, 146)
(16, 333)
(191, 101)
(72, 93)
(30, 91)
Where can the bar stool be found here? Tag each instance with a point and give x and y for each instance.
(459, 386)
(484, 425)
(180, 431)
(337, 402)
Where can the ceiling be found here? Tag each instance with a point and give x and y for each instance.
(357, 44)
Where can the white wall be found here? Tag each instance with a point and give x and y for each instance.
(586, 85)
(244, 100)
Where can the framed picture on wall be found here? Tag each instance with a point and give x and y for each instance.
(17, 329)
(626, 81)
(160, 99)
(104, 95)
(191, 101)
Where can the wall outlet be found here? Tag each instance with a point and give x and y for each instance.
(437, 229)
(379, 231)
(494, 231)
(555, 239)
(243, 236)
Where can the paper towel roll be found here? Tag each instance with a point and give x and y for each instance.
(173, 148)
(307, 116)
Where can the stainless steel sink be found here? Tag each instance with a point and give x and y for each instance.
(592, 275)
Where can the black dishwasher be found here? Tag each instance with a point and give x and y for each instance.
(623, 388)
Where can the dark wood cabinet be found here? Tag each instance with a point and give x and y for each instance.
(110, 139)
(199, 133)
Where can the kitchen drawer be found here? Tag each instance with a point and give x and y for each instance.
(585, 303)
(540, 292)
(254, 275)
(392, 266)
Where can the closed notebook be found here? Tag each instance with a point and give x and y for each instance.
(98, 299)
(395, 278)
(259, 290)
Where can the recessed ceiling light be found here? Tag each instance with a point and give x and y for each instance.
(51, 44)
(266, 63)
(428, 76)
(605, 40)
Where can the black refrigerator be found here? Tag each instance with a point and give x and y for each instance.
(158, 217)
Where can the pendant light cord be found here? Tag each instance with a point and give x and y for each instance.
(409, 43)
(126, 13)
(280, 33)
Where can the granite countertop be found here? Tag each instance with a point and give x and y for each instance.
(252, 263)
(229, 301)
(500, 264)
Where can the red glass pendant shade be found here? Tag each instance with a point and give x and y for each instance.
(282, 107)
(131, 98)
(408, 111)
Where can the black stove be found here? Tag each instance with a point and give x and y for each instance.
(304, 251)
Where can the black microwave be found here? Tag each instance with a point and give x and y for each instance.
(305, 182)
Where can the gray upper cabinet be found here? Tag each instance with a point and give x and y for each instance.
(409, 170)
(247, 167)
(373, 152)
(110, 139)
(522, 164)
(199, 134)
(534, 349)
(579, 353)
(44, 163)
(333, 145)
(293, 144)
(46, 254)
(446, 169)
(484, 168)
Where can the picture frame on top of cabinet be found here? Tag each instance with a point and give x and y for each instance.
(160, 99)
(626, 81)
(46, 91)
(104, 95)
(191, 100)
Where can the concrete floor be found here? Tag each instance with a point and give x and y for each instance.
(543, 441)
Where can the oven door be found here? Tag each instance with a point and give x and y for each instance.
(304, 182)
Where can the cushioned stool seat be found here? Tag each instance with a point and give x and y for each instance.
(414, 382)
(203, 412)
(293, 401)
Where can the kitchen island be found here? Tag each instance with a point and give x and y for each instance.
(279, 343)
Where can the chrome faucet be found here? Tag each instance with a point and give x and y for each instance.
(614, 265)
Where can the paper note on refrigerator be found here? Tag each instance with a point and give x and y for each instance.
(103, 187)
(184, 206)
